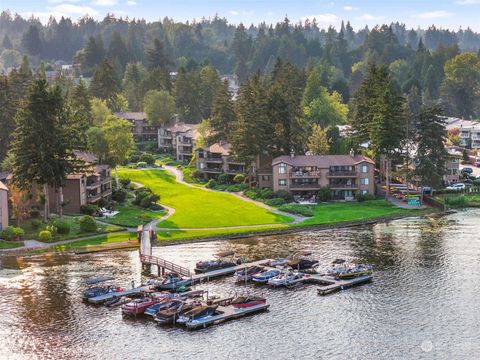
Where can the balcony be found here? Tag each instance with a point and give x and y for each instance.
(214, 160)
(235, 171)
(342, 174)
(212, 170)
(304, 174)
(94, 198)
(106, 180)
(234, 161)
(107, 192)
(304, 186)
(91, 185)
(185, 142)
(343, 186)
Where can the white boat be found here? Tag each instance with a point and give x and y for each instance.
(286, 278)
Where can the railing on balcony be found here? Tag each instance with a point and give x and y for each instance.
(234, 161)
(212, 170)
(343, 186)
(185, 142)
(304, 174)
(213, 159)
(94, 198)
(305, 186)
(106, 180)
(342, 173)
(93, 184)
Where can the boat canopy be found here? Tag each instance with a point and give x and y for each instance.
(99, 279)
(225, 253)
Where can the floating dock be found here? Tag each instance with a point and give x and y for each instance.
(333, 285)
(197, 278)
(225, 313)
(105, 297)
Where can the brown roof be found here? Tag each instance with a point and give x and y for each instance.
(321, 161)
(85, 156)
(3, 186)
(74, 176)
(99, 168)
(181, 127)
(130, 115)
(219, 148)
(4, 175)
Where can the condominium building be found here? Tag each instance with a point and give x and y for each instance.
(142, 130)
(178, 138)
(304, 175)
(469, 132)
(3, 206)
(452, 165)
(217, 159)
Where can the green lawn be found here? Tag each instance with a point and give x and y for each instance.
(98, 240)
(132, 216)
(32, 234)
(10, 244)
(338, 212)
(196, 208)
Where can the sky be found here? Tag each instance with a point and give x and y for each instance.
(451, 14)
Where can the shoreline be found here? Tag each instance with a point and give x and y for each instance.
(241, 235)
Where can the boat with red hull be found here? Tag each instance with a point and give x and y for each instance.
(241, 302)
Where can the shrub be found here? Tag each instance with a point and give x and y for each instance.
(266, 193)
(156, 207)
(365, 197)
(457, 201)
(275, 202)
(89, 209)
(141, 164)
(285, 195)
(88, 224)
(102, 203)
(13, 233)
(52, 228)
(135, 157)
(211, 184)
(35, 224)
(147, 158)
(222, 178)
(63, 227)
(239, 178)
(34, 214)
(252, 194)
(119, 195)
(125, 182)
(304, 210)
(45, 236)
(145, 197)
(324, 194)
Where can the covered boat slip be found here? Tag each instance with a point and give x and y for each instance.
(225, 313)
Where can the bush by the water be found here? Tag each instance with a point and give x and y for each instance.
(63, 227)
(365, 197)
(88, 224)
(45, 236)
(457, 201)
(13, 233)
(269, 197)
(303, 210)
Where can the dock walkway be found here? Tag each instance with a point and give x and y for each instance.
(105, 297)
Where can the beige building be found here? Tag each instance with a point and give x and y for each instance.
(453, 167)
(178, 138)
(217, 159)
(3, 206)
(142, 130)
(304, 175)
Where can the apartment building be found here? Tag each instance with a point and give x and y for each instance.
(304, 175)
(178, 138)
(86, 187)
(217, 159)
(452, 165)
(3, 206)
(469, 132)
(142, 130)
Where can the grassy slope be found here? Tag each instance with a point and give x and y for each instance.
(98, 240)
(354, 211)
(194, 208)
(132, 216)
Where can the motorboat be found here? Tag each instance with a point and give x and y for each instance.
(302, 261)
(178, 308)
(173, 282)
(94, 291)
(162, 305)
(347, 271)
(263, 277)
(197, 313)
(224, 260)
(117, 301)
(245, 301)
(138, 306)
(278, 262)
(286, 278)
(247, 274)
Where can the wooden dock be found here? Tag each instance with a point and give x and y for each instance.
(105, 297)
(225, 313)
(197, 278)
(331, 286)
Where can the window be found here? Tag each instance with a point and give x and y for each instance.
(282, 182)
(266, 177)
(282, 169)
(202, 165)
(364, 192)
(364, 168)
(364, 181)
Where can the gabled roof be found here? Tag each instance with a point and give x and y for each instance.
(3, 187)
(181, 127)
(86, 157)
(321, 161)
(130, 115)
(223, 148)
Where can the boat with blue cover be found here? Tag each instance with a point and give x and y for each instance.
(263, 277)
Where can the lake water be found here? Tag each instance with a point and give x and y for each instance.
(423, 302)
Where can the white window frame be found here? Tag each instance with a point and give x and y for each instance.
(282, 168)
(282, 182)
(364, 168)
(364, 181)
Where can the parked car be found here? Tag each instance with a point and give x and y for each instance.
(457, 186)
(467, 170)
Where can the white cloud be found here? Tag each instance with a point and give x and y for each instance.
(131, 2)
(370, 17)
(349, 8)
(322, 18)
(468, 2)
(104, 2)
(71, 9)
(62, 1)
(439, 14)
(234, 12)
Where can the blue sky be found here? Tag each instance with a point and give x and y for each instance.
(443, 13)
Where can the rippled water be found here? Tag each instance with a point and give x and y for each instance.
(423, 303)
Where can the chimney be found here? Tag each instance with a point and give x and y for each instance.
(292, 153)
(352, 153)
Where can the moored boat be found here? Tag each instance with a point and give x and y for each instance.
(248, 273)
(170, 315)
(162, 305)
(220, 263)
(173, 282)
(197, 313)
(286, 278)
(138, 306)
(302, 260)
(246, 301)
(263, 277)
(348, 271)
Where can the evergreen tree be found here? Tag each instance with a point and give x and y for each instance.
(241, 49)
(431, 154)
(133, 87)
(6, 43)
(210, 82)
(94, 51)
(105, 84)
(223, 114)
(31, 41)
(42, 141)
(117, 51)
(318, 142)
(7, 123)
(187, 96)
(159, 107)
(81, 108)
(157, 56)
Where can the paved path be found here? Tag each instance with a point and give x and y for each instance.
(179, 178)
(403, 205)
